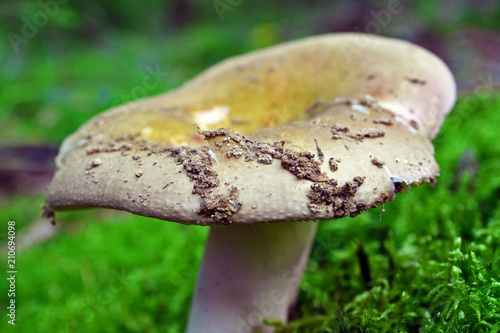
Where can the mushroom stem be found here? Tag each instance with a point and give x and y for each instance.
(249, 273)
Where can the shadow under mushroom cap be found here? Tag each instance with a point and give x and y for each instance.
(265, 137)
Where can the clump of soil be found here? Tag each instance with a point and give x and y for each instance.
(238, 146)
(122, 143)
(377, 162)
(221, 207)
(367, 133)
(383, 121)
(302, 165)
(339, 132)
(198, 166)
(333, 165)
(330, 193)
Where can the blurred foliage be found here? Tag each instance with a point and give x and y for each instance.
(433, 258)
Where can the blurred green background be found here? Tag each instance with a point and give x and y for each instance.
(430, 263)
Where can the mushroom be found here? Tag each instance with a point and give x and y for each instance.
(315, 129)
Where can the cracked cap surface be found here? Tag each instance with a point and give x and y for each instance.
(318, 128)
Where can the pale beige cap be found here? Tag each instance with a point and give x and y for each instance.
(318, 128)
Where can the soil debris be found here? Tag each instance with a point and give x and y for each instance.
(198, 165)
(341, 100)
(302, 165)
(367, 133)
(48, 214)
(416, 81)
(330, 193)
(384, 121)
(333, 165)
(353, 117)
(128, 136)
(94, 164)
(370, 102)
(236, 145)
(121, 143)
(339, 131)
(321, 156)
(166, 185)
(377, 162)
(221, 207)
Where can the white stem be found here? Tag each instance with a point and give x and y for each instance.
(249, 273)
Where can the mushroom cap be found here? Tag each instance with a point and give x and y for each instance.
(318, 128)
